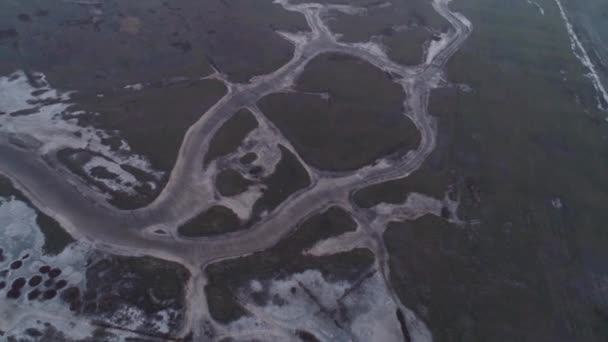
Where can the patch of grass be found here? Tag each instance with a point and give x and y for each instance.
(228, 138)
(154, 120)
(469, 287)
(56, 239)
(406, 47)
(230, 183)
(180, 38)
(361, 120)
(216, 220)
(7, 189)
(526, 135)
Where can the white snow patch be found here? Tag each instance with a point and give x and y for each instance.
(333, 245)
(242, 204)
(416, 205)
(557, 203)
(134, 87)
(161, 323)
(347, 9)
(256, 286)
(369, 307)
(47, 123)
(123, 181)
(436, 46)
(20, 235)
(264, 144)
(373, 48)
(17, 94)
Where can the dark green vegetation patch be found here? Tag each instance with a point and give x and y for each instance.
(213, 221)
(361, 119)
(228, 137)
(470, 286)
(530, 164)
(435, 176)
(179, 38)
(289, 176)
(226, 277)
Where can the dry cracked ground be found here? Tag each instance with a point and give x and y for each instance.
(338, 170)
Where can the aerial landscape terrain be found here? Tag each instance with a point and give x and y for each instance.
(303, 170)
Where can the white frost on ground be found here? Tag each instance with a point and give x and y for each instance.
(366, 312)
(39, 114)
(436, 46)
(579, 51)
(541, 10)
